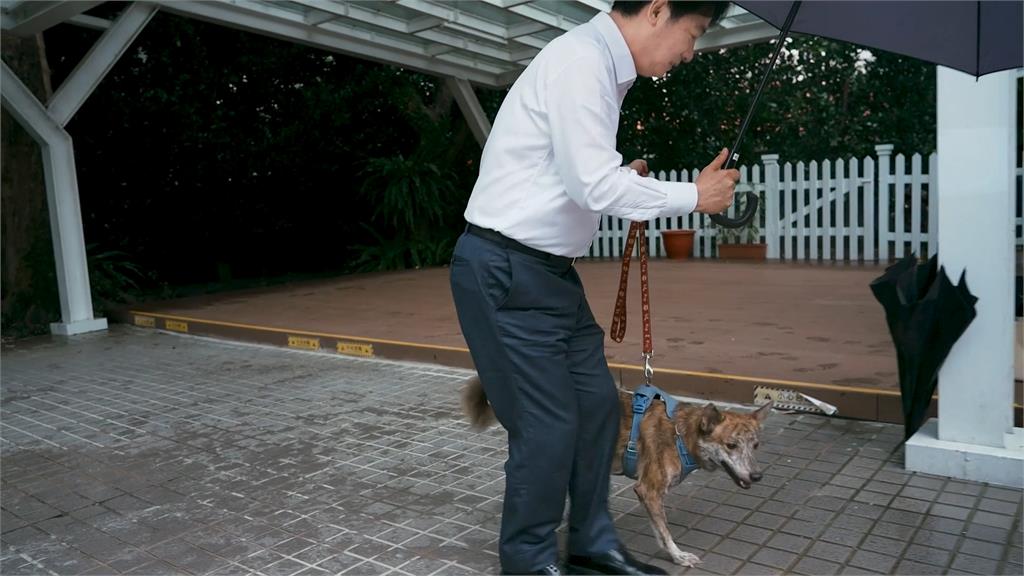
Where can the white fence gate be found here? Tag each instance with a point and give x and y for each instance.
(870, 209)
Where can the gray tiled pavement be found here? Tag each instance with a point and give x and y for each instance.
(140, 452)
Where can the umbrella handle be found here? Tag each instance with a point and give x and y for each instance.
(749, 211)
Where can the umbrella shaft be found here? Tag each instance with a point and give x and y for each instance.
(734, 155)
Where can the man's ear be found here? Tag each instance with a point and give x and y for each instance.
(709, 419)
(763, 412)
(654, 10)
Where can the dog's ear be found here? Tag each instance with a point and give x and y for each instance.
(709, 418)
(763, 412)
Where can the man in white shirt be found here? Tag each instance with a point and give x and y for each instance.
(549, 170)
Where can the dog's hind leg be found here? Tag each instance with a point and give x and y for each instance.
(653, 500)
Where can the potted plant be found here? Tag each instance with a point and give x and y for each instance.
(678, 243)
(743, 243)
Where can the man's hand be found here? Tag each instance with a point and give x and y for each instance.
(640, 166)
(715, 187)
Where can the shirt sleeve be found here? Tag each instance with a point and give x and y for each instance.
(583, 115)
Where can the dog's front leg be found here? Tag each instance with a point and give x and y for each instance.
(653, 500)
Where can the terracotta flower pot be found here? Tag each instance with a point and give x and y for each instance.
(678, 243)
(742, 251)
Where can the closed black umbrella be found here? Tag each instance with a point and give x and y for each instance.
(975, 37)
(926, 315)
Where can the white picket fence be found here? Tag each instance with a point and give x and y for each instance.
(870, 209)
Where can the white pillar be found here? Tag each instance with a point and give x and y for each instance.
(974, 437)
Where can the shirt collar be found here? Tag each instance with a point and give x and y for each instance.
(625, 69)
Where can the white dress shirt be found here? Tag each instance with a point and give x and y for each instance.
(549, 168)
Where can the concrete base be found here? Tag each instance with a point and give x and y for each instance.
(1004, 466)
(80, 327)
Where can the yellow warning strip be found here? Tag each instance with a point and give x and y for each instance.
(304, 332)
(772, 381)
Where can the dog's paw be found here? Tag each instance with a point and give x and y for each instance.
(685, 559)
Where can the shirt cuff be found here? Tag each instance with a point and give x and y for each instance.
(681, 198)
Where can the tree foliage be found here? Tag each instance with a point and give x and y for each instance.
(824, 99)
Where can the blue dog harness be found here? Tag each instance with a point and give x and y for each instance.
(642, 399)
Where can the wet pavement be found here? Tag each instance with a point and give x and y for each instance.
(140, 452)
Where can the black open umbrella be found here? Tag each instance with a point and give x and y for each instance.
(977, 37)
(926, 315)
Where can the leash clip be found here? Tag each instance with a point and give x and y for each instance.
(648, 369)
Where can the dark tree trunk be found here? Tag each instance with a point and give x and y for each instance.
(29, 291)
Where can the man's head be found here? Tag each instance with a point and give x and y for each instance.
(661, 33)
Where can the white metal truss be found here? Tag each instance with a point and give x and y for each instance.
(98, 61)
(62, 200)
(485, 41)
(24, 18)
(46, 125)
(478, 122)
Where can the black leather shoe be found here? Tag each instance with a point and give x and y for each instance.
(549, 570)
(612, 562)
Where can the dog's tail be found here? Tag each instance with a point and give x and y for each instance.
(475, 405)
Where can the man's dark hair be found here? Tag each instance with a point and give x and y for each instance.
(677, 8)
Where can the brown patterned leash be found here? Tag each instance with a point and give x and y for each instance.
(637, 234)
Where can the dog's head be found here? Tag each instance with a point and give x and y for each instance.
(729, 439)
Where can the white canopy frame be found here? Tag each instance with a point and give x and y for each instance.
(484, 42)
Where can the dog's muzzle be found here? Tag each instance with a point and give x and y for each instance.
(741, 482)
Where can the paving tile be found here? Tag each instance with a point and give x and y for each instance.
(997, 506)
(767, 521)
(984, 549)
(716, 526)
(755, 569)
(873, 561)
(937, 539)
(1012, 569)
(888, 546)
(910, 567)
(1004, 494)
(158, 567)
(184, 555)
(974, 564)
(815, 567)
(853, 523)
(910, 505)
(928, 555)
(735, 548)
(752, 534)
(696, 540)
(957, 499)
(994, 520)
(774, 558)
(828, 551)
(902, 517)
(948, 525)
(284, 567)
(789, 543)
(960, 487)
(802, 528)
(814, 515)
(718, 564)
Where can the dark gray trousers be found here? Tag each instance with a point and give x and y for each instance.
(540, 357)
